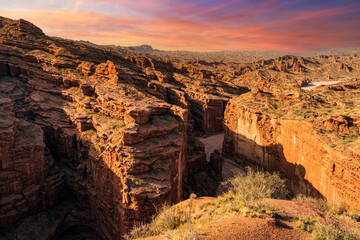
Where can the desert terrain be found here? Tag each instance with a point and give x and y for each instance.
(95, 139)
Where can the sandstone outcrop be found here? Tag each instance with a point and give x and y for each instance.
(80, 130)
(29, 180)
(317, 156)
(106, 69)
(100, 135)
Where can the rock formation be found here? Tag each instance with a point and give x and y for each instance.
(319, 157)
(94, 137)
(81, 122)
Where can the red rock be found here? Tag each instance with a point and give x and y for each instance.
(87, 89)
(27, 27)
(7, 105)
(137, 116)
(106, 69)
(116, 134)
(344, 67)
(295, 150)
(63, 63)
(86, 68)
(340, 124)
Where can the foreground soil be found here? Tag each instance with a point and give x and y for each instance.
(283, 226)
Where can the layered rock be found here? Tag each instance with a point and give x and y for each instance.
(115, 129)
(298, 149)
(82, 131)
(29, 181)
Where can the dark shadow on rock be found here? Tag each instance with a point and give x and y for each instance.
(272, 158)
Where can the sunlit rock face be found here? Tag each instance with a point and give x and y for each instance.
(311, 152)
(90, 133)
(93, 138)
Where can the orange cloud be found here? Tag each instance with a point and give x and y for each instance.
(165, 25)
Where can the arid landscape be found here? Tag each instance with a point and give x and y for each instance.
(109, 142)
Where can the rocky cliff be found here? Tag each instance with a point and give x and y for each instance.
(96, 126)
(99, 150)
(93, 138)
(316, 149)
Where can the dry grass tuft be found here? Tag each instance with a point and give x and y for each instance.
(244, 196)
(337, 209)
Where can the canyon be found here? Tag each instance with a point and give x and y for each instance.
(93, 138)
(296, 150)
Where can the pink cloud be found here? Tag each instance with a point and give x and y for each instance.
(166, 25)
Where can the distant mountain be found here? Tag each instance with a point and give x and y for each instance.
(143, 48)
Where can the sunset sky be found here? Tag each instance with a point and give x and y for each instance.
(197, 25)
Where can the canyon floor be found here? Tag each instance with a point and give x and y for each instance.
(95, 138)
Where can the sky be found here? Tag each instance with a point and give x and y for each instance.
(197, 25)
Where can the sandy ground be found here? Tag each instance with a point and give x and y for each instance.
(313, 85)
(241, 228)
(238, 227)
(212, 143)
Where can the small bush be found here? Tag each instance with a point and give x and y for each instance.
(185, 233)
(246, 192)
(306, 223)
(328, 232)
(168, 218)
(323, 232)
(244, 196)
(338, 209)
(139, 231)
(319, 203)
(257, 185)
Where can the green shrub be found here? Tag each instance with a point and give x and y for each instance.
(167, 218)
(338, 209)
(329, 232)
(246, 192)
(306, 223)
(319, 203)
(257, 185)
(244, 196)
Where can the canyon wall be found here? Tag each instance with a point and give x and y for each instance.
(100, 135)
(79, 128)
(28, 180)
(118, 157)
(295, 149)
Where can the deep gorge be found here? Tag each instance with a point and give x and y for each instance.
(94, 138)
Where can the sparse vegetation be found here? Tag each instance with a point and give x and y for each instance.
(168, 218)
(73, 72)
(135, 182)
(256, 185)
(330, 232)
(244, 196)
(321, 231)
(306, 223)
(338, 209)
(8, 31)
(247, 191)
(95, 140)
(184, 233)
(44, 54)
(162, 120)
